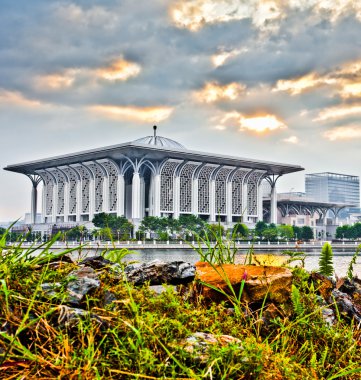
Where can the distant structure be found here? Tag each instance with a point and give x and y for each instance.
(333, 188)
(151, 176)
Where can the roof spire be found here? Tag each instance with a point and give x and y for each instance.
(155, 131)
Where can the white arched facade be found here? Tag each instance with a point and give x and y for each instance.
(136, 188)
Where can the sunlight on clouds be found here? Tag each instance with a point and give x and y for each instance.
(343, 133)
(258, 124)
(338, 112)
(351, 90)
(17, 99)
(266, 15)
(299, 85)
(213, 92)
(345, 81)
(119, 70)
(56, 81)
(143, 114)
(221, 58)
(291, 140)
(194, 14)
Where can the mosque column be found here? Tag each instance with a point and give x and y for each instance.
(105, 194)
(91, 198)
(195, 196)
(176, 199)
(136, 196)
(229, 201)
(66, 201)
(79, 199)
(260, 202)
(121, 196)
(273, 207)
(35, 180)
(212, 200)
(156, 199)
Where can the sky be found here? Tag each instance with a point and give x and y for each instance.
(276, 80)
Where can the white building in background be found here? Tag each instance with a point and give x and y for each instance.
(151, 176)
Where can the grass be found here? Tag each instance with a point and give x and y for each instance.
(141, 334)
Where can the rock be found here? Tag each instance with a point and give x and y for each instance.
(158, 272)
(70, 316)
(324, 284)
(81, 283)
(159, 289)
(51, 289)
(275, 282)
(329, 316)
(96, 262)
(199, 343)
(346, 304)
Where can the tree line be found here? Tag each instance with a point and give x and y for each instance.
(186, 227)
(349, 231)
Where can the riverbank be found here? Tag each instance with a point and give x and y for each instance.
(134, 245)
(85, 320)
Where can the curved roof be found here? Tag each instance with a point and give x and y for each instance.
(159, 141)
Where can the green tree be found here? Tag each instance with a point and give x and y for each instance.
(270, 234)
(307, 233)
(297, 231)
(240, 230)
(286, 232)
(260, 227)
(326, 260)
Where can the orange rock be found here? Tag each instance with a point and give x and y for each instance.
(275, 282)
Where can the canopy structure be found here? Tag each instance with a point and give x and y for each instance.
(153, 175)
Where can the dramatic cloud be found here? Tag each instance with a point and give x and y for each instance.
(254, 78)
(257, 124)
(194, 14)
(139, 114)
(338, 112)
(119, 70)
(222, 57)
(344, 81)
(343, 133)
(213, 92)
(56, 81)
(12, 98)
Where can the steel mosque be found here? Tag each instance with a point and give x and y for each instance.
(151, 176)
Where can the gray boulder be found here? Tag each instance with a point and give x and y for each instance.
(159, 272)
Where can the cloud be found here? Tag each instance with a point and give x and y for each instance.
(17, 99)
(344, 81)
(119, 70)
(220, 58)
(85, 17)
(338, 112)
(343, 133)
(140, 114)
(56, 81)
(258, 123)
(195, 14)
(291, 140)
(214, 92)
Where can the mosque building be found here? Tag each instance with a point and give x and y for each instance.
(151, 176)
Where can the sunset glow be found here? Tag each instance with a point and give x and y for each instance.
(213, 92)
(119, 70)
(142, 114)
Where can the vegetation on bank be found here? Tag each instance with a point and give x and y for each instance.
(117, 228)
(128, 332)
(349, 231)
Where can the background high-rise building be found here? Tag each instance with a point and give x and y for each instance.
(333, 187)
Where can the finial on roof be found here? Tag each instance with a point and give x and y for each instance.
(155, 130)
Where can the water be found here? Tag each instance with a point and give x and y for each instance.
(341, 258)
